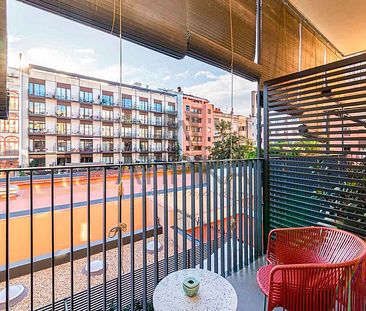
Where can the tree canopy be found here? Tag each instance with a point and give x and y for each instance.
(230, 145)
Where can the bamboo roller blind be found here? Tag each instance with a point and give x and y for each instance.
(202, 29)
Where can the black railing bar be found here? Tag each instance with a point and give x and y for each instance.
(251, 244)
(260, 206)
(53, 234)
(235, 218)
(144, 224)
(208, 211)
(88, 215)
(132, 240)
(222, 219)
(228, 216)
(31, 240)
(105, 238)
(119, 238)
(166, 223)
(117, 166)
(241, 232)
(155, 213)
(255, 211)
(246, 225)
(215, 244)
(200, 195)
(175, 211)
(72, 237)
(7, 244)
(193, 215)
(184, 214)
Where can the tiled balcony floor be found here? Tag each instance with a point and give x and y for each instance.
(250, 298)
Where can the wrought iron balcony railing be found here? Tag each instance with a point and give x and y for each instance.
(109, 233)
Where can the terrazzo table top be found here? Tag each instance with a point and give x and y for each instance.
(215, 292)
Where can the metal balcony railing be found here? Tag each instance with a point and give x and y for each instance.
(174, 216)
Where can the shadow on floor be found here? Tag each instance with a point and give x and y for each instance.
(250, 298)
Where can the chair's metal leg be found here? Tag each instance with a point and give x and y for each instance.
(265, 303)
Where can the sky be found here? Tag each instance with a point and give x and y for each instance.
(49, 40)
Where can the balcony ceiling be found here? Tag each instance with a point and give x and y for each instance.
(342, 22)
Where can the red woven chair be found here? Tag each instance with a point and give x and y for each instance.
(314, 269)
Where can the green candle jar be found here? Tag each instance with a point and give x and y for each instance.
(190, 286)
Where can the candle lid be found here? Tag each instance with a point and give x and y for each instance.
(191, 282)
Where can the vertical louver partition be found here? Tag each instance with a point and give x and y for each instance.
(315, 129)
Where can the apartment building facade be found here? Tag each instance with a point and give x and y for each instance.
(9, 129)
(197, 132)
(240, 125)
(69, 118)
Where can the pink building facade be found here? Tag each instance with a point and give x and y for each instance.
(198, 127)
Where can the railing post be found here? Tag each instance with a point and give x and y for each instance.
(266, 220)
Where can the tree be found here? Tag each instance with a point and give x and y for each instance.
(229, 145)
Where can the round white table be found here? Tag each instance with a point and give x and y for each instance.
(215, 292)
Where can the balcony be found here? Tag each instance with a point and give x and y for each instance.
(102, 237)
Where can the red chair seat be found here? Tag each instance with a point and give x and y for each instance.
(263, 279)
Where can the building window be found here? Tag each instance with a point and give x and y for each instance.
(63, 93)
(187, 108)
(198, 111)
(14, 101)
(63, 145)
(107, 159)
(209, 129)
(187, 148)
(126, 102)
(86, 113)
(63, 128)
(208, 138)
(143, 104)
(36, 89)
(107, 146)
(157, 106)
(107, 115)
(86, 97)
(86, 159)
(37, 126)
(37, 162)
(10, 125)
(107, 130)
(171, 107)
(63, 111)
(86, 129)
(37, 108)
(209, 120)
(37, 145)
(11, 146)
(107, 100)
(86, 145)
(209, 111)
